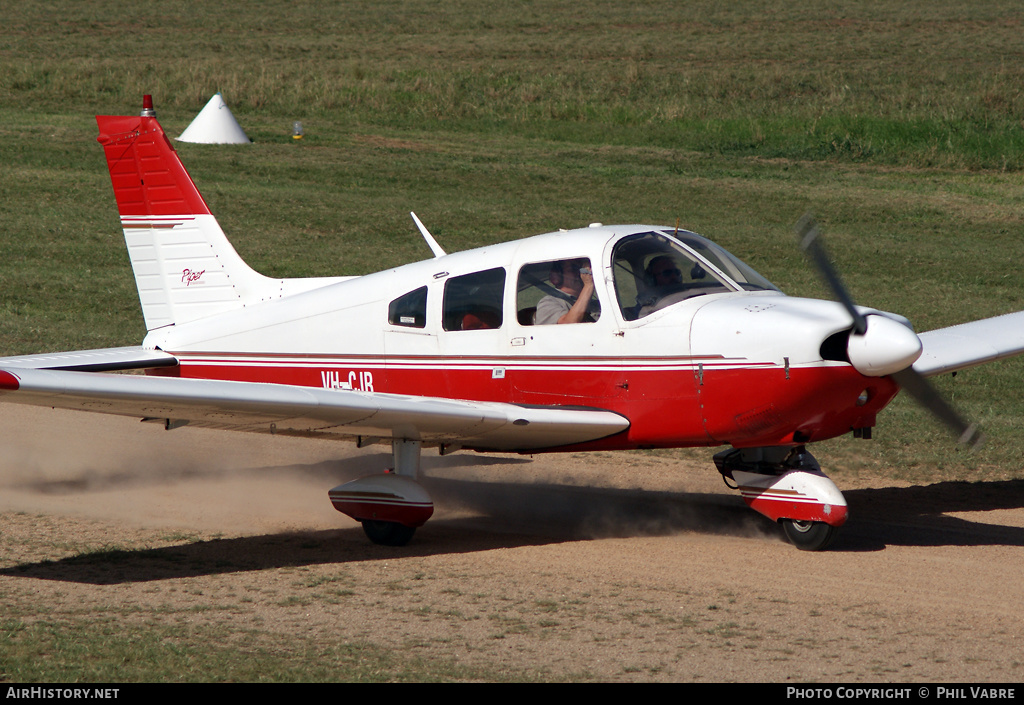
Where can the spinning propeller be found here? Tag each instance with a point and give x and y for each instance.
(879, 346)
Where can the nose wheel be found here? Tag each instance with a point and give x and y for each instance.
(809, 535)
(788, 487)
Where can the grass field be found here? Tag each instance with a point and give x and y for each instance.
(898, 124)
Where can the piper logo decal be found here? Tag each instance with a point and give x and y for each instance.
(190, 277)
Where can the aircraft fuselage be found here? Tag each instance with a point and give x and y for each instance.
(744, 368)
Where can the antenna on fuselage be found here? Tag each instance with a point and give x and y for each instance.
(431, 242)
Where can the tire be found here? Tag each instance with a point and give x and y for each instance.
(809, 535)
(388, 533)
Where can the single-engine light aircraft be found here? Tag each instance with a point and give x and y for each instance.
(601, 338)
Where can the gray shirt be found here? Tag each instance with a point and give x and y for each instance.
(551, 308)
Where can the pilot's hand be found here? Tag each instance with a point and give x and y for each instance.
(586, 276)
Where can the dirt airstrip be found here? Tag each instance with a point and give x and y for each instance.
(604, 566)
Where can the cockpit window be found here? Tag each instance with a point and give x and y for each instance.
(653, 271)
(473, 301)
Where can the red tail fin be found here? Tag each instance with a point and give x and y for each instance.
(147, 175)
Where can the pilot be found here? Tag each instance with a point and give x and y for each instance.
(574, 279)
(664, 275)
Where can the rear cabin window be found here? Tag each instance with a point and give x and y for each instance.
(473, 301)
(409, 310)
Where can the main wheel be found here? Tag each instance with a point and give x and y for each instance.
(388, 533)
(809, 535)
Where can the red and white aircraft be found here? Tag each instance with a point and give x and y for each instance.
(679, 343)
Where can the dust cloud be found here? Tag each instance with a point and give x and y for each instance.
(108, 467)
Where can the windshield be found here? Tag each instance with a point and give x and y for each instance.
(736, 269)
(653, 271)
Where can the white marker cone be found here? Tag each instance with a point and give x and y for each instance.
(215, 125)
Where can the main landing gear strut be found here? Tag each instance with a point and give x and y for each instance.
(392, 505)
(787, 486)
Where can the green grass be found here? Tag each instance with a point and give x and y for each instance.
(98, 649)
(898, 124)
(928, 83)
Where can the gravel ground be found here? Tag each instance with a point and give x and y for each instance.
(617, 567)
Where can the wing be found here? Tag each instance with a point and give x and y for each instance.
(969, 344)
(308, 411)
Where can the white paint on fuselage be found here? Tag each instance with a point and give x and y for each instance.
(350, 317)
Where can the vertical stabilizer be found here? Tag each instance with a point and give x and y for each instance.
(184, 266)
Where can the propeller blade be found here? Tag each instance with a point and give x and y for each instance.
(927, 396)
(807, 233)
(910, 380)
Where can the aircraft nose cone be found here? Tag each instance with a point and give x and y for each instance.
(886, 347)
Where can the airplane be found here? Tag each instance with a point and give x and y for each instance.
(667, 340)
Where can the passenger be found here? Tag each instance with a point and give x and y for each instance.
(480, 320)
(574, 279)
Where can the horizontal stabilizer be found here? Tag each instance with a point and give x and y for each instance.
(101, 360)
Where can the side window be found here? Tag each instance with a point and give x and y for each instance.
(409, 310)
(547, 293)
(473, 301)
